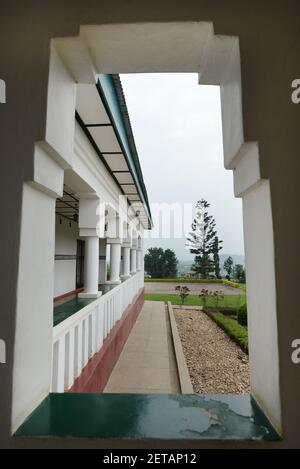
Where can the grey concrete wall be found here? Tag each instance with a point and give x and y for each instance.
(269, 38)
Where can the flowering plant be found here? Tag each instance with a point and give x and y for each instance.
(204, 294)
(183, 293)
(218, 295)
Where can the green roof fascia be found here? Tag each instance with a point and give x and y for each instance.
(108, 94)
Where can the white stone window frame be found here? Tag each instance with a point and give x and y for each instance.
(184, 47)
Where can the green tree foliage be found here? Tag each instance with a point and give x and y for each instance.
(216, 248)
(160, 263)
(170, 264)
(228, 267)
(201, 240)
(239, 273)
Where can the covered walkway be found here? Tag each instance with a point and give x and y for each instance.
(147, 363)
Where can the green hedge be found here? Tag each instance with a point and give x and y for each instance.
(185, 280)
(231, 284)
(198, 280)
(242, 315)
(236, 331)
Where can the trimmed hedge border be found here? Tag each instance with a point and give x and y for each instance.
(184, 280)
(230, 283)
(236, 331)
(242, 317)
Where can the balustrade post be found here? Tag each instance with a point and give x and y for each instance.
(70, 352)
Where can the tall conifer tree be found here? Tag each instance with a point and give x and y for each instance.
(201, 240)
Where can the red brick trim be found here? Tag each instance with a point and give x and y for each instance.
(69, 293)
(96, 373)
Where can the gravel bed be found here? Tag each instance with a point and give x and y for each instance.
(216, 364)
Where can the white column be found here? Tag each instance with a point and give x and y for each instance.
(89, 229)
(115, 262)
(126, 262)
(140, 254)
(102, 261)
(91, 268)
(139, 260)
(133, 261)
(34, 310)
(122, 262)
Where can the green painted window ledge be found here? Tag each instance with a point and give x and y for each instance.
(142, 416)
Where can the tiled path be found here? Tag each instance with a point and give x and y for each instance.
(147, 363)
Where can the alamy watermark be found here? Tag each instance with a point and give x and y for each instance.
(2, 351)
(296, 91)
(296, 352)
(2, 91)
(170, 220)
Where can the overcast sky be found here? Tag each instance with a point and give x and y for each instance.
(178, 134)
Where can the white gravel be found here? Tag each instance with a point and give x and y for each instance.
(215, 363)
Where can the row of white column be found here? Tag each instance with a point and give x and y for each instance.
(100, 225)
(125, 261)
(123, 255)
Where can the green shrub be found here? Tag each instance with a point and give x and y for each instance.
(230, 283)
(236, 331)
(184, 280)
(242, 315)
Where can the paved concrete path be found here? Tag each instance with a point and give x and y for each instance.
(147, 363)
(169, 287)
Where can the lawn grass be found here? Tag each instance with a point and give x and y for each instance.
(228, 301)
(238, 333)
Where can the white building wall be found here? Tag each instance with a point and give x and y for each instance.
(32, 357)
(90, 168)
(261, 300)
(60, 109)
(65, 245)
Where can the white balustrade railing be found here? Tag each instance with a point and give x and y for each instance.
(79, 337)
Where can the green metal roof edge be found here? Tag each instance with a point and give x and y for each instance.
(111, 93)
